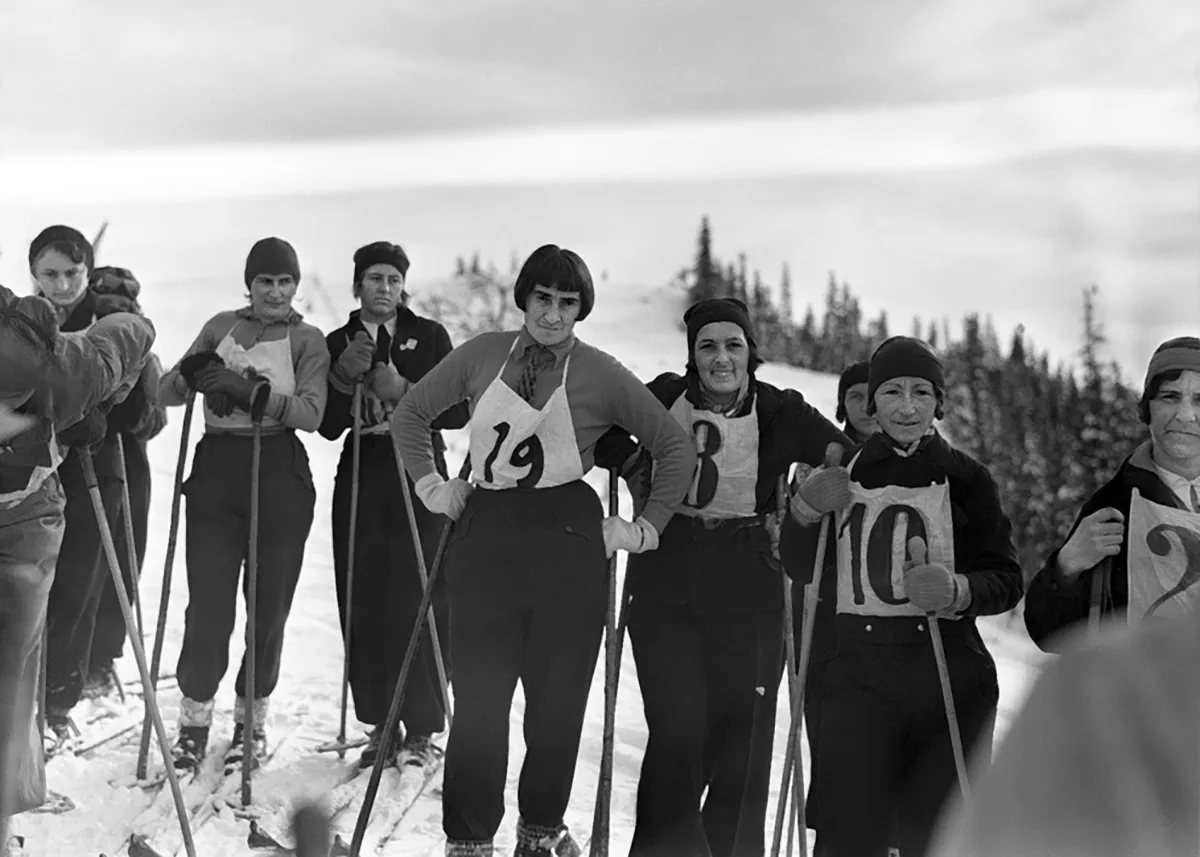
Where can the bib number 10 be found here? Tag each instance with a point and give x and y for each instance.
(878, 560)
(527, 453)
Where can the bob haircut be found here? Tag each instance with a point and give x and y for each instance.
(554, 267)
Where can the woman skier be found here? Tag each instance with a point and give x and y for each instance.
(886, 763)
(1134, 551)
(386, 347)
(51, 381)
(264, 364)
(858, 425)
(706, 608)
(525, 565)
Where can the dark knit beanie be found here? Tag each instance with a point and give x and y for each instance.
(379, 253)
(272, 256)
(70, 241)
(1178, 354)
(855, 373)
(713, 310)
(904, 357)
(557, 268)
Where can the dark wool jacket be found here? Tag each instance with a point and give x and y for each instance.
(983, 545)
(790, 430)
(431, 345)
(1054, 605)
(139, 415)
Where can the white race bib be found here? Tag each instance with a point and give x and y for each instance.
(726, 476)
(1163, 560)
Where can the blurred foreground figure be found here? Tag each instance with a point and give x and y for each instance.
(1105, 757)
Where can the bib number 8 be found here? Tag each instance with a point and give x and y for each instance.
(707, 476)
(527, 453)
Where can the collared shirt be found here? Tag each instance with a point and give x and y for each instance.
(1187, 490)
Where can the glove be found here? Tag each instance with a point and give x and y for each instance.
(220, 379)
(221, 404)
(636, 537)
(190, 366)
(386, 383)
(825, 490)
(356, 359)
(442, 497)
(89, 433)
(932, 587)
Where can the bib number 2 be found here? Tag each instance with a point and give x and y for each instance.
(527, 453)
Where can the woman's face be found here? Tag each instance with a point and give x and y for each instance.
(722, 357)
(905, 408)
(60, 280)
(1175, 421)
(855, 404)
(271, 296)
(380, 290)
(550, 314)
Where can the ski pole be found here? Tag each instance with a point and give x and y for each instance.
(916, 550)
(833, 457)
(438, 661)
(139, 652)
(789, 650)
(602, 818)
(135, 571)
(414, 639)
(164, 597)
(248, 723)
(1100, 575)
(355, 459)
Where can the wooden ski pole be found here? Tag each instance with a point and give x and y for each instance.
(389, 729)
(135, 570)
(139, 653)
(438, 660)
(248, 724)
(602, 818)
(164, 597)
(351, 545)
(833, 457)
(789, 649)
(1100, 578)
(916, 552)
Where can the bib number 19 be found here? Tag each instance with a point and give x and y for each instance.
(527, 453)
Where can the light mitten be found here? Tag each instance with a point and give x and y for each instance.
(443, 497)
(631, 536)
(932, 587)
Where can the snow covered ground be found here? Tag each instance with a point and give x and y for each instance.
(637, 325)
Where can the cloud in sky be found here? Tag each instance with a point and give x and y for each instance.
(885, 140)
(79, 75)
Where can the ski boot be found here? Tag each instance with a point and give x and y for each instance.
(536, 841)
(258, 741)
(101, 681)
(14, 847)
(60, 733)
(374, 743)
(195, 722)
(419, 750)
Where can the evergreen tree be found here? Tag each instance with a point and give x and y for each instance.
(785, 297)
(705, 284)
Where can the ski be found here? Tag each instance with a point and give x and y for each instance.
(418, 831)
(273, 832)
(414, 779)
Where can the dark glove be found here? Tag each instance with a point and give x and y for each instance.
(639, 475)
(190, 366)
(613, 449)
(221, 404)
(89, 433)
(221, 379)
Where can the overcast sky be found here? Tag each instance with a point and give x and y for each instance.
(83, 75)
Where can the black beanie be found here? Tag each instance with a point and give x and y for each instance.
(61, 235)
(272, 256)
(855, 373)
(904, 357)
(714, 310)
(379, 253)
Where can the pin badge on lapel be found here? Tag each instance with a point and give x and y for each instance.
(409, 345)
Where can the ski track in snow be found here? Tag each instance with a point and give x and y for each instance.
(641, 328)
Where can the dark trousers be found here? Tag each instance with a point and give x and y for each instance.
(79, 576)
(709, 687)
(218, 542)
(108, 639)
(822, 649)
(885, 745)
(387, 590)
(527, 582)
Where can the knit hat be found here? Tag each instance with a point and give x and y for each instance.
(1182, 352)
(713, 310)
(904, 357)
(855, 373)
(272, 256)
(379, 253)
(62, 235)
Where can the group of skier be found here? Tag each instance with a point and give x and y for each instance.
(885, 546)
